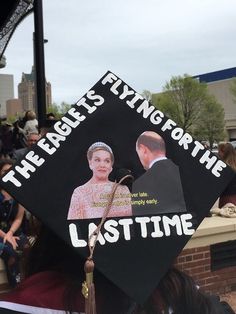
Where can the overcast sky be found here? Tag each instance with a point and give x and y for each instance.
(145, 42)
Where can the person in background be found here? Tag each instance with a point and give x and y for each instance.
(18, 137)
(31, 125)
(6, 136)
(32, 138)
(228, 154)
(22, 120)
(12, 234)
(46, 125)
(55, 272)
(22, 127)
(50, 116)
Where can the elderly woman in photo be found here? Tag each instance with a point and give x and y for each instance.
(90, 200)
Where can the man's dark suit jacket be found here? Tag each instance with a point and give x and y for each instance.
(19, 153)
(160, 183)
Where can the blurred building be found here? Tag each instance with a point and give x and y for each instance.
(14, 107)
(26, 91)
(219, 84)
(6, 92)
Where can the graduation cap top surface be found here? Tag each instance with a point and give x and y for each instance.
(67, 177)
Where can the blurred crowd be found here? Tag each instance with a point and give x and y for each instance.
(21, 134)
(18, 228)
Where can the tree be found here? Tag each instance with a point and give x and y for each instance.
(64, 107)
(58, 110)
(147, 95)
(210, 125)
(53, 108)
(182, 100)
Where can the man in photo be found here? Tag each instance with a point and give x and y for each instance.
(159, 190)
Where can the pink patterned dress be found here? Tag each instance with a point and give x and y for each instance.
(90, 200)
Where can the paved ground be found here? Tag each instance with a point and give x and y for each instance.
(230, 298)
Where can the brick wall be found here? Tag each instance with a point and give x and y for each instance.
(197, 263)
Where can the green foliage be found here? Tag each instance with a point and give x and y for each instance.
(53, 108)
(210, 125)
(147, 94)
(58, 110)
(182, 100)
(12, 119)
(64, 107)
(189, 104)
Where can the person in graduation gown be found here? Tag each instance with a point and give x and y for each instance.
(12, 230)
(227, 153)
(54, 276)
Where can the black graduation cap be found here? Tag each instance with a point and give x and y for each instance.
(171, 182)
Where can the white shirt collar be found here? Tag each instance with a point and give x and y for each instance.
(155, 160)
